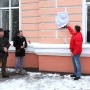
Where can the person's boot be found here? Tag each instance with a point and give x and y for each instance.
(22, 71)
(76, 78)
(17, 71)
(5, 76)
(72, 75)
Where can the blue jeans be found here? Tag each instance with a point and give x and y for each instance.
(76, 65)
(20, 60)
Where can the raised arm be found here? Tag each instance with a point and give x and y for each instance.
(71, 30)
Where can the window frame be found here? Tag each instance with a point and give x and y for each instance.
(84, 20)
(10, 10)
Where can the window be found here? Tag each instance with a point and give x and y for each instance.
(88, 21)
(88, 24)
(4, 3)
(87, 0)
(9, 16)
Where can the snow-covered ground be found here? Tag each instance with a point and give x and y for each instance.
(43, 81)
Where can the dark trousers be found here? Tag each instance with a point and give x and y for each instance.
(3, 67)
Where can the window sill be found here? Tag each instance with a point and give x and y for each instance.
(52, 49)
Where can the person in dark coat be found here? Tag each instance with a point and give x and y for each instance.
(6, 34)
(4, 45)
(20, 44)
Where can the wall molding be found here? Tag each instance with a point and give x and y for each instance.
(52, 49)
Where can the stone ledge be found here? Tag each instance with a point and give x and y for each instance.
(52, 49)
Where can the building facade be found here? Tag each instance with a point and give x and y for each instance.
(49, 48)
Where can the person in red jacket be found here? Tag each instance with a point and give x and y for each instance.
(76, 49)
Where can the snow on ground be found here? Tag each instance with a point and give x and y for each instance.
(42, 81)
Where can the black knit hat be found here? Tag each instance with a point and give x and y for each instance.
(1, 30)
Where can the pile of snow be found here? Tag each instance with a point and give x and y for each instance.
(44, 81)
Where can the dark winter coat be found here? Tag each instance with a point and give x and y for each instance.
(76, 41)
(3, 43)
(6, 34)
(17, 43)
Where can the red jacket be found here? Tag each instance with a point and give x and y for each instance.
(75, 42)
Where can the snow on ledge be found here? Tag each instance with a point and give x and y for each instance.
(52, 49)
